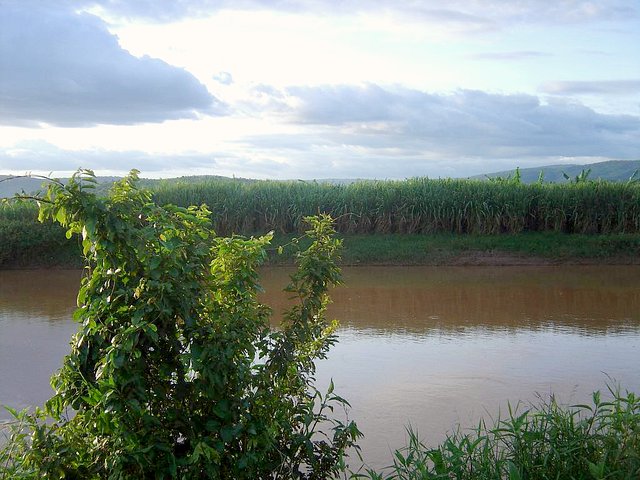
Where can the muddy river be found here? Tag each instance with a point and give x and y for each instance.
(430, 347)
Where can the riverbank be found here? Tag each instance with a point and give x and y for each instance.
(535, 248)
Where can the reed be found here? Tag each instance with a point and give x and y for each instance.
(418, 206)
(547, 441)
(414, 206)
(26, 242)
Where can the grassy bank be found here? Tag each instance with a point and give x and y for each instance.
(50, 248)
(451, 249)
(27, 243)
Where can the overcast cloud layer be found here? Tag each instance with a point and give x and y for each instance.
(476, 86)
(487, 13)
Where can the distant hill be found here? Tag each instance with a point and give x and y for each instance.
(11, 186)
(8, 188)
(613, 170)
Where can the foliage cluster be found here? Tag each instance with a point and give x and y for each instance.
(416, 205)
(598, 441)
(175, 371)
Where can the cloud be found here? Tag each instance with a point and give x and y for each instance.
(339, 104)
(374, 131)
(45, 157)
(64, 68)
(463, 123)
(461, 19)
(340, 156)
(507, 14)
(42, 157)
(509, 56)
(606, 87)
(224, 78)
(476, 15)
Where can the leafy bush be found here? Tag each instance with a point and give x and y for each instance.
(175, 371)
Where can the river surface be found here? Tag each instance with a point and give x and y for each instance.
(433, 347)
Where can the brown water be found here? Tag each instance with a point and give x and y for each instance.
(428, 346)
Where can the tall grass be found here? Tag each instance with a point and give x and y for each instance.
(416, 205)
(597, 441)
(26, 242)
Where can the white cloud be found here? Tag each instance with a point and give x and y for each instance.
(606, 87)
(476, 15)
(364, 131)
(509, 55)
(63, 68)
(225, 78)
(465, 123)
(42, 156)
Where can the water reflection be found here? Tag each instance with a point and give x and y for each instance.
(436, 347)
(35, 329)
(418, 300)
(47, 294)
(430, 346)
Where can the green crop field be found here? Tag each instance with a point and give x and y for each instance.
(416, 205)
(444, 210)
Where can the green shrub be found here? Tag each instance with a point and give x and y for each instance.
(175, 371)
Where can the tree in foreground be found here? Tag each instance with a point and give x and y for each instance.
(175, 371)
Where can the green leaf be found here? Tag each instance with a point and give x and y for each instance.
(227, 433)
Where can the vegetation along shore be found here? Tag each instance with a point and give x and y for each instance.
(416, 221)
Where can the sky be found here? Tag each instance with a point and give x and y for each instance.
(308, 89)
